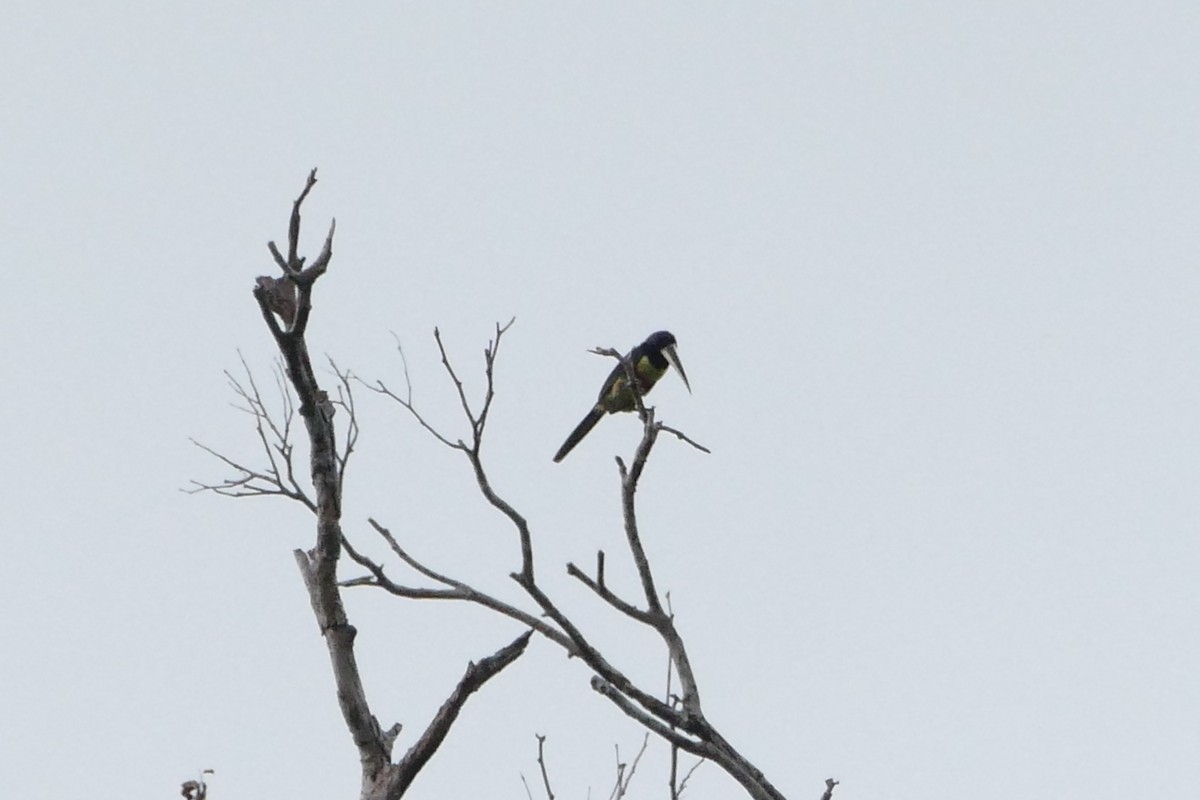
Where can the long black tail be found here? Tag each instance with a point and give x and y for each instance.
(581, 430)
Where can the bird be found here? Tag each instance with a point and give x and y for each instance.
(650, 360)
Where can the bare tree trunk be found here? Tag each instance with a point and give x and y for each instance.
(290, 297)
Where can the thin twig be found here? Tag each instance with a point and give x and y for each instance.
(624, 774)
(489, 359)
(678, 791)
(458, 384)
(608, 596)
(681, 435)
(541, 740)
(278, 477)
(346, 402)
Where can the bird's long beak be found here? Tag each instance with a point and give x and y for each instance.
(673, 360)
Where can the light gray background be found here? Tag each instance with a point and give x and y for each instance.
(932, 271)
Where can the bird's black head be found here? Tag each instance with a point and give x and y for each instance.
(663, 343)
(659, 340)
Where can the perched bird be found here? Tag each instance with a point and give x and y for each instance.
(650, 360)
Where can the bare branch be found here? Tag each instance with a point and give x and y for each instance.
(477, 424)
(294, 223)
(489, 358)
(629, 482)
(607, 595)
(662, 621)
(273, 430)
(682, 436)
(518, 521)
(829, 784)
(322, 263)
(379, 579)
(251, 483)
(541, 740)
(458, 590)
(381, 388)
(294, 270)
(458, 385)
(607, 352)
(594, 659)
(677, 789)
(476, 676)
(625, 775)
(404, 364)
(646, 720)
(412, 562)
(406, 402)
(346, 402)
(497, 502)
(708, 744)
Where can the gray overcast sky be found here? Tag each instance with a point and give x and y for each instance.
(932, 270)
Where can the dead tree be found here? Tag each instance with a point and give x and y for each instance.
(679, 719)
